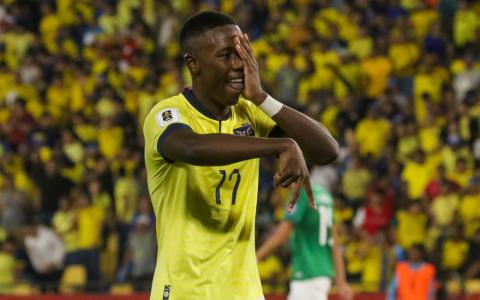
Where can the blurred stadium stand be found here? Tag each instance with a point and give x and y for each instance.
(396, 82)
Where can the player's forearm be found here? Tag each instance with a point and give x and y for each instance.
(313, 138)
(220, 149)
(280, 236)
(338, 259)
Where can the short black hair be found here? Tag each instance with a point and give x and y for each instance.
(201, 22)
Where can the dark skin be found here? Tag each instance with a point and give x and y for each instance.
(216, 57)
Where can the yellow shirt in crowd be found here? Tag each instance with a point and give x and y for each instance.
(444, 208)
(411, 228)
(417, 177)
(454, 254)
(377, 70)
(90, 221)
(372, 135)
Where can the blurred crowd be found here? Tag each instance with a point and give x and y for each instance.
(397, 82)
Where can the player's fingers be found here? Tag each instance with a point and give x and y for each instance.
(287, 182)
(308, 189)
(295, 194)
(247, 42)
(276, 177)
(283, 176)
(247, 48)
(239, 48)
(248, 61)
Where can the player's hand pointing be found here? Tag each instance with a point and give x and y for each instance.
(252, 87)
(293, 170)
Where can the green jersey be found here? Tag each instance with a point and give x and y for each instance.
(311, 241)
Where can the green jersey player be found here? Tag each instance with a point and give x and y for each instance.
(316, 258)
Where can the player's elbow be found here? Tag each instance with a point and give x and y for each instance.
(333, 151)
(326, 154)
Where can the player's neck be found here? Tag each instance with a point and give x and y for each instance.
(218, 110)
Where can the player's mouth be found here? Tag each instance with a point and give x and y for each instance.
(236, 84)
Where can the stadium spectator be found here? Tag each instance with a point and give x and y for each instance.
(433, 189)
(469, 210)
(8, 267)
(354, 255)
(375, 215)
(12, 205)
(472, 263)
(19, 123)
(45, 253)
(416, 173)
(140, 256)
(411, 224)
(414, 278)
(287, 81)
(372, 133)
(100, 198)
(65, 226)
(355, 181)
(52, 185)
(444, 208)
(454, 251)
(89, 220)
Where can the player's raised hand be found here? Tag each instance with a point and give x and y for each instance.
(293, 169)
(253, 89)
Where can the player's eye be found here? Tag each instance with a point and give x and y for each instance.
(224, 55)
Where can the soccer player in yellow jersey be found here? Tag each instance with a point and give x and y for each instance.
(202, 150)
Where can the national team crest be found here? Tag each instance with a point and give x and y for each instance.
(244, 130)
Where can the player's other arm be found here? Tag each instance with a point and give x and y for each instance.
(314, 139)
(184, 145)
(278, 238)
(344, 290)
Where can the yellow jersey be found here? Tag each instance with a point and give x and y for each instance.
(205, 214)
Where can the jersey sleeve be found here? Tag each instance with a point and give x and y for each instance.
(263, 123)
(296, 215)
(160, 122)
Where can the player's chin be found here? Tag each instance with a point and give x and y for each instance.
(233, 100)
(232, 95)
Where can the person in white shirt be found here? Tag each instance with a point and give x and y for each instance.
(46, 254)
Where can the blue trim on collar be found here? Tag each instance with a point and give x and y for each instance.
(190, 96)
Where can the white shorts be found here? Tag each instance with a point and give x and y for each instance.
(311, 289)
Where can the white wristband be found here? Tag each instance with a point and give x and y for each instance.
(270, 106)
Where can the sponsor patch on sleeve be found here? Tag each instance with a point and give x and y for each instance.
(167, 116)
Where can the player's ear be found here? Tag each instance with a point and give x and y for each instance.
(192, 63)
